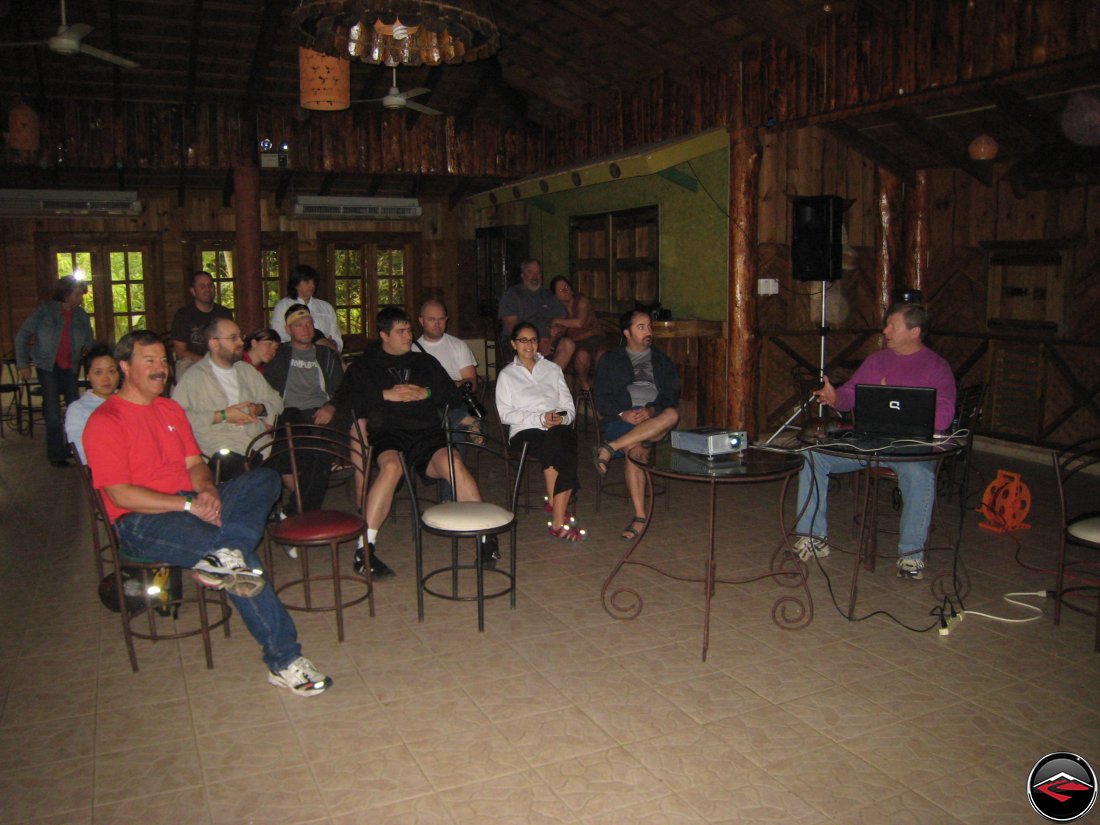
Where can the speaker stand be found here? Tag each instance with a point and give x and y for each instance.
(823, 331)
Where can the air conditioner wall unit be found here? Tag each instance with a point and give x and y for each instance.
(92, 203)
(330, 208)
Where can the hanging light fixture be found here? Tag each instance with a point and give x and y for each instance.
(324, 81)
(399, 32)
(983, 147)
(24, 128)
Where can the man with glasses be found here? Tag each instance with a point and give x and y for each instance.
(226, 400)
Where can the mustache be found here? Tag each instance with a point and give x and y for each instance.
(158, 376)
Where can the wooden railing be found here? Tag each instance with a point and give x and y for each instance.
(1040, 390)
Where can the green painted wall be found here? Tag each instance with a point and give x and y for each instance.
(694, 231)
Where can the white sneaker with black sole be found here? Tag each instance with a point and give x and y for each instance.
(225, 569)
(301, 678)
(808, 547)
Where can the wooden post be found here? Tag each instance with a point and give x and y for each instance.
(742, 343)
(246, 206)
(887, 237)
(916, 231)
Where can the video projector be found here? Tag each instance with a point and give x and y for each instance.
(710, 441)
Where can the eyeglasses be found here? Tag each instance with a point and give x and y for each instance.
(526, 340)
(229, 338)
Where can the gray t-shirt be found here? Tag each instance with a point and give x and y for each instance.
(305, 383)
(539, 307)
(643, 389)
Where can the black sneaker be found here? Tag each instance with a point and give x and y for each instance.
(378, 568)
(490, 551)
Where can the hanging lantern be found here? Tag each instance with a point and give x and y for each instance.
(983, 147)
(324, 81)
(24, 129)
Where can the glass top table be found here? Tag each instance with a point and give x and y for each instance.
(794, 609)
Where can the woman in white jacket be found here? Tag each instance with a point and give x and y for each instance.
(534, 401)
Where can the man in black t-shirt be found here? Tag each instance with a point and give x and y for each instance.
(190, 322)
(401, 393)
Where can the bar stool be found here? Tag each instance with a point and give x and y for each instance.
(132, 604)
(467, 519)
(315, 530)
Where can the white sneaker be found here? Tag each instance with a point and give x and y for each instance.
(225, 569)
(301, 677)
(291, 551)
(910, 569)
(808, 547)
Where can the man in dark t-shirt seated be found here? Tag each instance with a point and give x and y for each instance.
(401, 394)
(190, 322)
(307, 376)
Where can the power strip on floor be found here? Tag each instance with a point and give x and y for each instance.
(949, 623)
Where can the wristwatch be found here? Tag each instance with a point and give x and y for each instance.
(187, 504)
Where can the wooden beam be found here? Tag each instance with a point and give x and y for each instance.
(942, 143)
(742, 342)
(888, 236)
(266, 36)
(193, 57)
(917, 202)
(872, 150)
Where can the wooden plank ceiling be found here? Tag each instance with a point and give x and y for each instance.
(556, 57)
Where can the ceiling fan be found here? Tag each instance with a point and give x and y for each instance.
(401, 100)
(67, 41)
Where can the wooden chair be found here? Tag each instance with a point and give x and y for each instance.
(1080, 528)
(310, 531)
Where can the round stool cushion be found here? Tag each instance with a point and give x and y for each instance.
(1085, 528)
(467, 516)
(316, 525)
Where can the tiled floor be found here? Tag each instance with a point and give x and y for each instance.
(557, 713)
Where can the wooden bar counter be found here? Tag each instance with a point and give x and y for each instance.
(698, 349)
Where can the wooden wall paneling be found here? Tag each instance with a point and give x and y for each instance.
(1004, 52)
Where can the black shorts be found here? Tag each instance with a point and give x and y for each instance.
(417, 446)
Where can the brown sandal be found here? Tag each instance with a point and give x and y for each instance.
(601, 463)
(629, 533)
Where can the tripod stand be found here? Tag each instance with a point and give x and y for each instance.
(823, 331)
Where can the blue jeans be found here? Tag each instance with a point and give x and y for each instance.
(916, 479)
(181, 539)
(54, 382)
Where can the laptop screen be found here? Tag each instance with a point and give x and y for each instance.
(895, 412)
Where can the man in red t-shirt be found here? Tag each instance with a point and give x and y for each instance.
(162, 501)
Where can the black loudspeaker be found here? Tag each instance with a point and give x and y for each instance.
(815, 238)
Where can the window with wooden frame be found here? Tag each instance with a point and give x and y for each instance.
(123, 292)
(216, 255)
(368, 272)
(615, 258)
